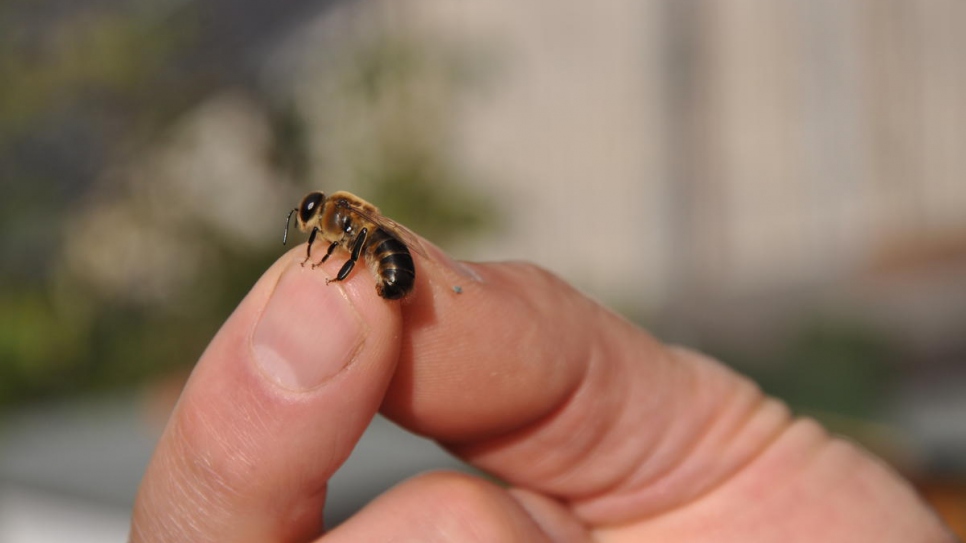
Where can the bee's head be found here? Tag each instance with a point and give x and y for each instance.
(308, 211)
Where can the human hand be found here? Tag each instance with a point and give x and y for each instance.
(601, 432)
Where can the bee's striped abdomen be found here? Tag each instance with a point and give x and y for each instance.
(393, 265)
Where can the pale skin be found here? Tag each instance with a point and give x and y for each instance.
(601, 432)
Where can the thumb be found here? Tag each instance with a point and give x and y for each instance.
(273, 408)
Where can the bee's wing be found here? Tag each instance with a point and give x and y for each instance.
(393, 228)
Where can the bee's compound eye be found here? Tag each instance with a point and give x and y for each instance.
(310, 206)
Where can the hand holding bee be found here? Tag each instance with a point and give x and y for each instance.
(600, 432)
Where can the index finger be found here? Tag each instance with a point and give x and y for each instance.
(517, 372)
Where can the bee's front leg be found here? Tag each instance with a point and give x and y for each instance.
(357, 246)
(308, 246)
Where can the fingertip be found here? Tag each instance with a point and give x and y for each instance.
(554, 518)
(286, 339)
(275, 405)
(441, 506)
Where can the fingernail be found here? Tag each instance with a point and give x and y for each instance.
(307, 333)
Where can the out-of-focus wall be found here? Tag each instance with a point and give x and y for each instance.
(651, 150)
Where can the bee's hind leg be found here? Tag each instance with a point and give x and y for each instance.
(357, 246)
(343, 272)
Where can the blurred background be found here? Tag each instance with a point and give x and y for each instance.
(781, 184)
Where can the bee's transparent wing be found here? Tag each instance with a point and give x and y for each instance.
(393, 228)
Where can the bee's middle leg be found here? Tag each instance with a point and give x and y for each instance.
(328, 253)
(357, 246)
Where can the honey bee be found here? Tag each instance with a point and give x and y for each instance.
(345, 220)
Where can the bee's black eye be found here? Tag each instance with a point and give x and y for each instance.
(310, 206)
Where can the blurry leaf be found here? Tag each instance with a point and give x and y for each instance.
(89, 58)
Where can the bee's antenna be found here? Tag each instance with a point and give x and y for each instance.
(288, 223)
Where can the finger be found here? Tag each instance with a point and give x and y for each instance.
(528, 379)
(273, 407)
(447, 507)
(525, 377)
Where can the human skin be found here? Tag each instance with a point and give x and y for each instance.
(601, 432)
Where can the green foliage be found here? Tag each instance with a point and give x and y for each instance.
(37, 343)
(441, 212)
(78, 342)
(61, 334)
(407, 90)
(93, 73)
(829, 366)
(90, 58)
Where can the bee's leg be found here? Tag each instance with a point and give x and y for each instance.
(308, 246)
(347, 229)
(357, 246)
(329, 252)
